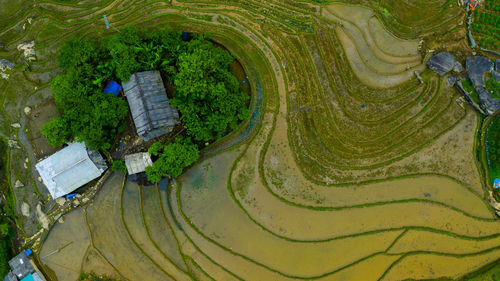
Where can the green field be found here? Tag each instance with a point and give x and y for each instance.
(486, 25)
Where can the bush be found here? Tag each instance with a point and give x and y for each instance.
(4, 257)
(87, 113)
(119, 165)
(171, 159)
(206, 93)
(6, 236)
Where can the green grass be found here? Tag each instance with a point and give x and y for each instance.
(493, 149)
(493, 87)
(490, 272)
(470, 89)
(6, 235)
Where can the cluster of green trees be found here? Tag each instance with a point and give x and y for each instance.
(119, 166)
(6, 236)
(207, 94)
(171, 159)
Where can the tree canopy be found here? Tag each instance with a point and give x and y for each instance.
(206, 93)
(171, 158)
(119, 166)
(87, 113)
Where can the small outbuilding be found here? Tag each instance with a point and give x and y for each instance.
(10, 277)
(70, 168)
(152, 113)
(21, 266)
(137, 162)
(22, 269)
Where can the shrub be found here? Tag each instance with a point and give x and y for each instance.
(119, 165)
(171, 159)
(206, 93)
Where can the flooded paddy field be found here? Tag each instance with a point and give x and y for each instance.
(348, 169)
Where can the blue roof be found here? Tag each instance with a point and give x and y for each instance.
(28, 278)
(113, 88)
(32, 277)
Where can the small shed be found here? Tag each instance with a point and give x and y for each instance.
(70, 168)
(21, 266)
(152, 113)
(137, 162)
(10, 277)
(113, 88)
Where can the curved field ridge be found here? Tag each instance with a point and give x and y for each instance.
(378, 58)
(349, 169)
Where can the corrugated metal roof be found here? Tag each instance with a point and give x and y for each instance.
(68, 169)
(137, 162)
(37, 277)
(21, 265)
(10, 277)
(152, 113)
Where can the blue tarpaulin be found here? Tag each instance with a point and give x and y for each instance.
(496, 183)
(186, 36)
(106, 22)
(113, 88)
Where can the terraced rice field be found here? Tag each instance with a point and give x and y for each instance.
(349, 169)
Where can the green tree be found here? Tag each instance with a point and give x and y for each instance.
(171, 159)
(119, 165)
(206, 92)
(87, 114)
(4, 257)
(5, 253)
(57, 131)
(4, 229)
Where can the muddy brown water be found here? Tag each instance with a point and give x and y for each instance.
(65, 247)
(377, 57)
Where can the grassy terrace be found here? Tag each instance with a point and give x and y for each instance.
(345, 152)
